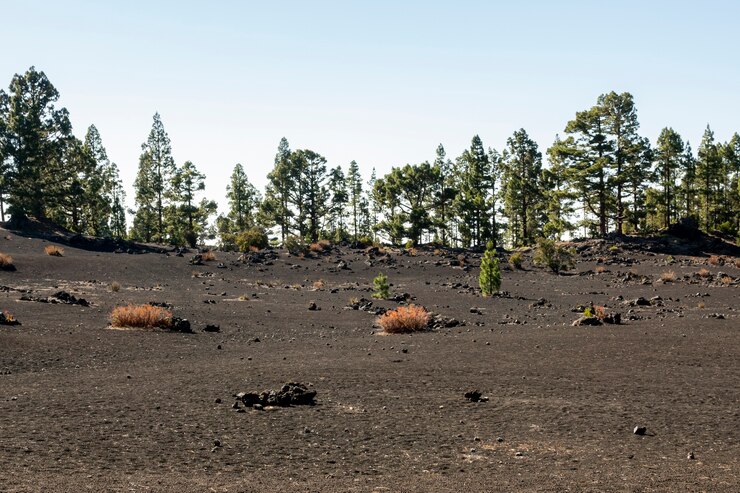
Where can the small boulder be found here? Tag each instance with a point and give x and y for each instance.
(587, 321)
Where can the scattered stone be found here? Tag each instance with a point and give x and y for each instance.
(312, 307)
(640, 430)
(196, 259)
(62, 297)
(690, 456)
(587, 321)
(212, 328)
(474, 396)
(637, 302)
(476, 310)
(180, 325)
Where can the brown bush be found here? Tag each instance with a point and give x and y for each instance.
(668, 276)
(54, 250)
(115, 286)
(404, 319)
(6, 261)
(320, 246)
(726, 280)
(716, 260)
(704, 273)
(600, 269)
(208, 256)
(320, 284)
(140, 316)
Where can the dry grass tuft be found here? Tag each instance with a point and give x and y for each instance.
(668, 276)
(140, 316)
(404, 319)
(6, 261)
(320, 284)
(208, 256)
(54, 250)
(115, 287)
(716, 260)
(704, 273)
(726, 280)
(701, 305)
(600, 269)
(737, 263)
(320, 246)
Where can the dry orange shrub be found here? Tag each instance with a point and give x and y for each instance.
(404, 319)
(208, 256)
(54, 250)
(5, 260)
(140, 316)
(320, 246)
(668, 276)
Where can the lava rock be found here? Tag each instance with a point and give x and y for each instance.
(180, 325)
(212, 328)
(640, 430)
(473, 395)
(593, 321)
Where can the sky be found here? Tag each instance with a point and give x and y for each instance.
(380, 82)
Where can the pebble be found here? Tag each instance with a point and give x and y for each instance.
(639, 430)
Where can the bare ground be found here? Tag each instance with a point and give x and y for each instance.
(84, 407)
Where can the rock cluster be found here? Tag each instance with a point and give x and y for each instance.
(290, 394)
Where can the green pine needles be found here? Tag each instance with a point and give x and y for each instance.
(381, 288)
(490, 274)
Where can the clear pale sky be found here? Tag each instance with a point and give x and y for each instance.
(381, 82)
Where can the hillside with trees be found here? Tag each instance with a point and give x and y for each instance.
(601, 176)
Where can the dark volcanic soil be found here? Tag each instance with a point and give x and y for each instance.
(84, 407)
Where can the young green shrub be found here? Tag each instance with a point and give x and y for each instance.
(516, 260)
(140, 316)
(381, 288)
(296, 246)
(404, 319)
(490, 273)
(553, 256)
(253, 238)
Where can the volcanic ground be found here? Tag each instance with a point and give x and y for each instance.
(86, 407)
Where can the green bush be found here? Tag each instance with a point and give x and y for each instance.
(490, 273)
(553, 256)
(296, 246)
(253, 238)
(381, 288)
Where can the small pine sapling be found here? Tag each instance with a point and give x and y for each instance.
(381, 288)
(490, 273)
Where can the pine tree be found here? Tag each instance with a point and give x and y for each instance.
(668, 155)
(708, 174)
(490, 273)
(184, 213)
(156, 168)
(444, 195)
(338, 202)
(98, 186)
(473, 204)
(35, 137)
(243, 198)
(354, 189)
(523, 192)
(688, 183)
(275, 208)
(558, 196)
